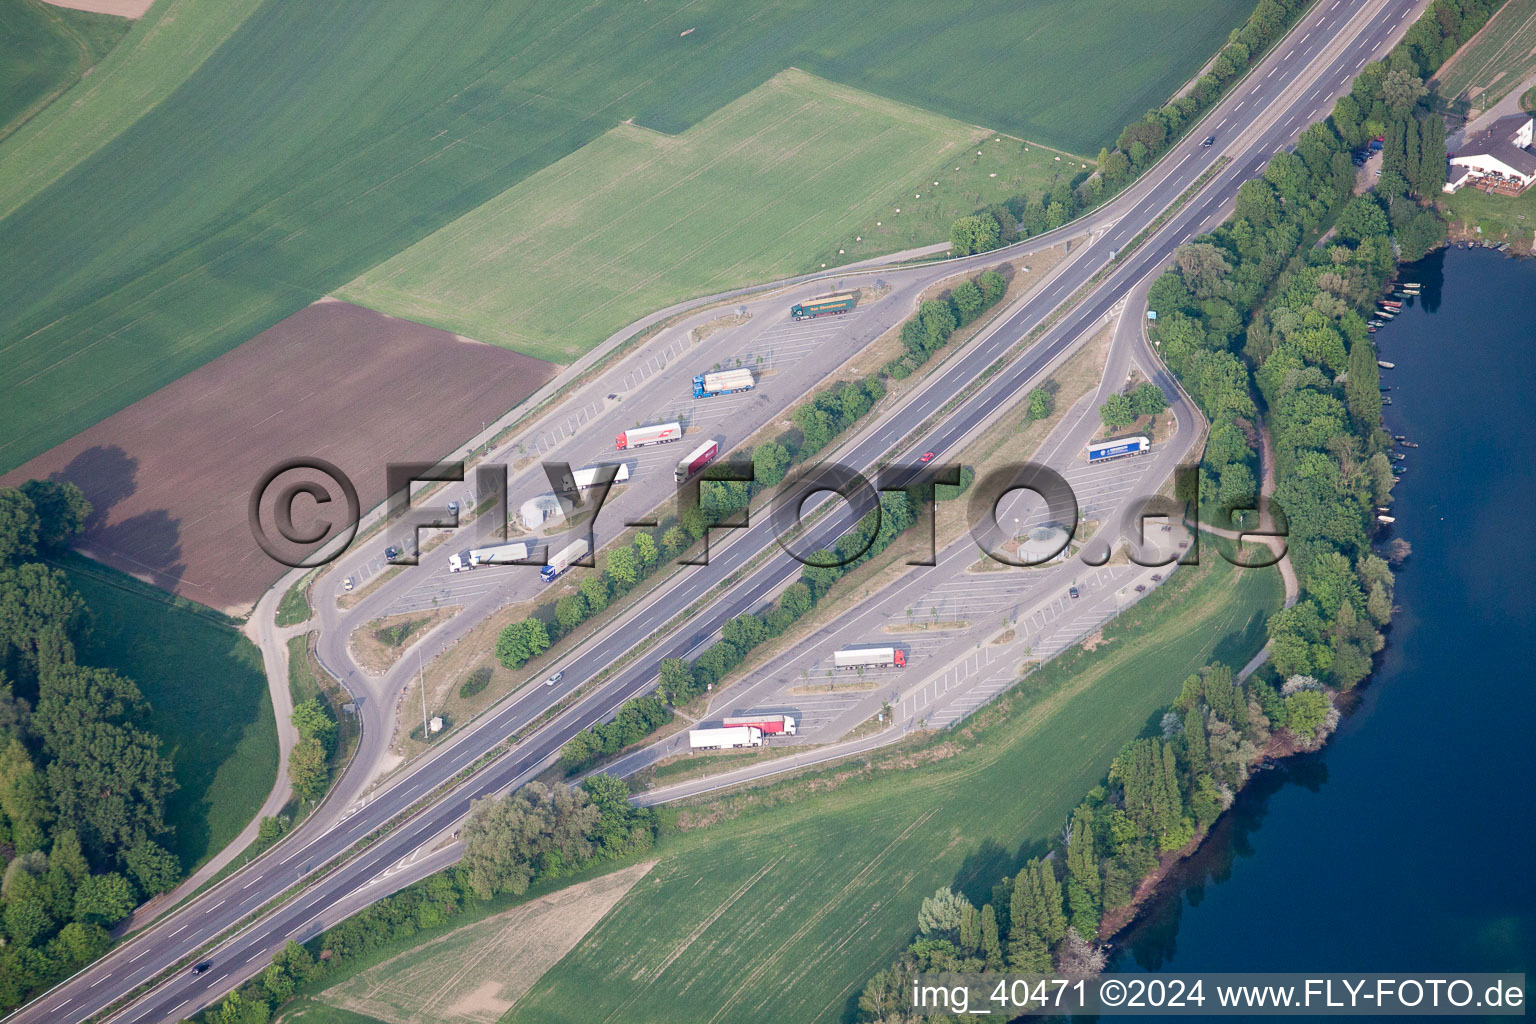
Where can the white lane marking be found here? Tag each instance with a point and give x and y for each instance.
(177, 932)
(1272, 71)
(141, 953)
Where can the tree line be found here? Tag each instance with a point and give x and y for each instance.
(1123, 408)
(535, 834)
(83, 780)
(1161, 793)
(1275, 302)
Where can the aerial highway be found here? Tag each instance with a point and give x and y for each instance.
(1292, 87)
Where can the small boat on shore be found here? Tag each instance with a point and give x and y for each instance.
(1410, 284)
(1375, 323)
(1389, 314)
(1386, 519)
(1384, 388)
(1391, 303)
(1409, 444)
(1398, 456)
(1386, 365)
(1386, 399)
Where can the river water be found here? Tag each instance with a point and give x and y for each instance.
(1407, 843)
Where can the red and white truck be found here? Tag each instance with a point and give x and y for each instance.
(870, 657)
(724, 739)
(702, 456)
(657, 433)
(771, 725)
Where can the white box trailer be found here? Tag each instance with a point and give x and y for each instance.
(562, 560)
(587, 476)
(870, 657)
(496, 554)
(724, 739)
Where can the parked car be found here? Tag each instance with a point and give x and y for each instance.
(1141, 588)
(1157, 577)
(391, 553)
(453, 508)
(348, 584)
(1075, 593)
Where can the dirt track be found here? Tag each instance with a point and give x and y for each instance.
(171, 475)
(121, 8)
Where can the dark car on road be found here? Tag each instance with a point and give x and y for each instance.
(202, 968)
(1210, 140)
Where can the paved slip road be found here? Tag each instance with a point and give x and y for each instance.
(1291, 89)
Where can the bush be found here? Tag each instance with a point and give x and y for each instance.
(476, 681)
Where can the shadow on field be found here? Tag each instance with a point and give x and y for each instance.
(150, 542)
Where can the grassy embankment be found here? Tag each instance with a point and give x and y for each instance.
(43, 51)
(205, 683)
(773, 184)
(345, 136)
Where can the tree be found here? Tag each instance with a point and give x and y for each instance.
(1305, 713)
(1079, 958)
(571, 611)
(645, 549)
(991, 945)
(78, 943)
(307, 769)
(595, 589)
(1401, 91)
(1203, 266)
(940, 914)
(104, 899)
(62, 509)
(18, 527)
(1117, 411)
(154, 868)
(536, 830)
(770, 461)
(993, 286)
(312, 720)
(1040, 404)
(977, 233)
(1148, 399)
(968, 301)
(623, 568)
(938, 322)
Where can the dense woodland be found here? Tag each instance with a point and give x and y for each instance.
(83, 781)
(1264, 323)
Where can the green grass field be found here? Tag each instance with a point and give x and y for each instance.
(773, 184)
(782, 913)
(43, 51)
(1501, 57)
(320, 139)
(1502, 218)
(205, 683)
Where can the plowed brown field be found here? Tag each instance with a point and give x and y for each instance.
(170, 476)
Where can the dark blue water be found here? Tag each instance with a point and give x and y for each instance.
(1406, 844)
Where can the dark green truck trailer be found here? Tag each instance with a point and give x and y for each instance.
(823, 305)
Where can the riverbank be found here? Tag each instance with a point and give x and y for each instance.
(1372, 858)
